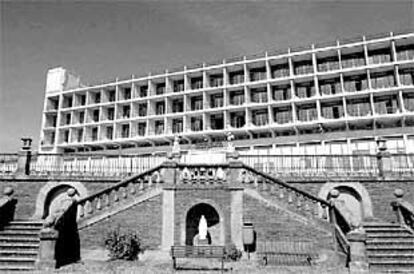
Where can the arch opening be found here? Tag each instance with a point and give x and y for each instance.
(192, 221)
(349, 203)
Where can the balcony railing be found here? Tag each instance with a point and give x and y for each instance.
(117, 166)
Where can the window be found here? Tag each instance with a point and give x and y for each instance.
(283, 115)
(379, 56)
(160, 89)
(82, 99)
(405, 52)
(197, 103)
(382, 80)
(333, 111)
(237, 97)
(66, 136)
(94, 134)
(159, 127)
(67, 102)
(386, 105)
(216, 80)
(217, 122)
(109, 133)
(330, 87)
(178, 85)
(177, 125)
(142, 110)
(111, 113)
(259, 95)
(68, 117)
(125, 131)
(81, 117)
(96, 98)
(237, 119)
(258, 74)
(126, 111)
(358, 108)
(197, 83)
(142, 128)
(111, 95)
(327, 64)
(305, 90)
(177, 106)
(307, 113)
(281, 93)
(216, 100)
(280, 71)
(159, 108)
(260, 117)
(356, 83)
(408, 102)
(143, 91)
(353, 60)
(79, 135)
(196, 123)
(303, 67)
(95, 115)
(407, 77)
(127, 94)
(236, 78)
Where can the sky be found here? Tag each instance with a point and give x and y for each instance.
(102, 40)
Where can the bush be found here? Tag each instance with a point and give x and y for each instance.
(232, 253)
(123, 246)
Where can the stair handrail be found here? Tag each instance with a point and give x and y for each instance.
(336, 218)
(7, 206)
(123, 183)
(404, 210)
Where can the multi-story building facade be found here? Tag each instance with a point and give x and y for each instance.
(330, 98)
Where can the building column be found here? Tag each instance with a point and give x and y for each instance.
(236, 218)
(168, 212)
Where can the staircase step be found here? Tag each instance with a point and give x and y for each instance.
(17, 261)
(19, 246)
(19, 234)
(16, 268)
(392, 263)
(392, 241)
(385, 229)
(393, 256)
(390, 235)
(18, 253)
(21, 228)
(18, 240)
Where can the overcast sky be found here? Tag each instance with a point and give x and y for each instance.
(100, 40)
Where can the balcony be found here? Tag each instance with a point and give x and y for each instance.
(159, 108)
(237, 78)
(328, 64)
(405, 53)
(196, 124)
(353, 60)
(307, 114)
(355, 84)
(216, 81)
(142, 128)
(304, 67)
(178, 86)
(407, 78)
(111, 95)
(260, 118)
(359, 109)
(305, 90)
(67, 102)
(282, 115)
(125, 131)
(382, 81)
(237, 98)
(280, 71)
(409, 103)
(257, 75)
(216, 101)
(197, 83)
(126, 112)
(177, 126)
(217, 122)
(197, 103)
(143, 91)
(177, 106)
(160, 89)
(379, 56)
(237, 119)
(281, 93)
(159, 128)
(330, 87)
(258, 96)
(142, 110)
(333, 112)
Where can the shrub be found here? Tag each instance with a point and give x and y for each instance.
(123, 246)
(232, 253)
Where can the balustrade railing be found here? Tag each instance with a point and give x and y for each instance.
(403, 209)
(92, 165)
(8, 163)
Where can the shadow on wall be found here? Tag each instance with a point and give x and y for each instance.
(67, 249)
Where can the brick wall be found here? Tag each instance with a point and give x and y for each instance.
(144, 218)
(186, 198)
(272, 224)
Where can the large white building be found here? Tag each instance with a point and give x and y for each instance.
(330, 98)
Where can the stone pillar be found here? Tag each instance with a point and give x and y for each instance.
(383, 158)
(233, 174)
(169, 174)
(48, 237)
(168, 214)
(358, 258)
(24, 156)
(236, 217)
(399, 194)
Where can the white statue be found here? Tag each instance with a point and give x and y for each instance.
(202, 228)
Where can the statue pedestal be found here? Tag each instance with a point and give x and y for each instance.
(202, 242)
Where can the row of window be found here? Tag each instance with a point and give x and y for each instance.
(124, 112)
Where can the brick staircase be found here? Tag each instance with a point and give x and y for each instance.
(390, 248)
(19, 245)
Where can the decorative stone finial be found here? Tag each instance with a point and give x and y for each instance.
(26, 143)
(8, 191)
(398, 193)
(71, 192)
(176, 145)
(334, 193)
